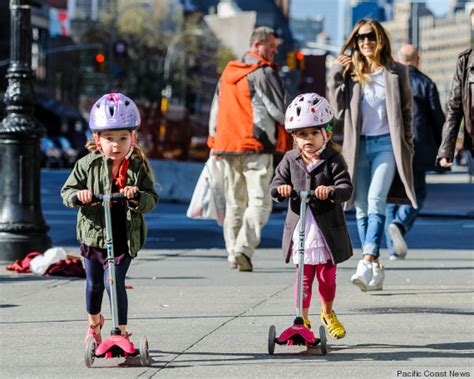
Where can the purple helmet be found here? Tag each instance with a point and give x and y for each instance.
(114, 111)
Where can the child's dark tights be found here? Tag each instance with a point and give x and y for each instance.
(97, 279)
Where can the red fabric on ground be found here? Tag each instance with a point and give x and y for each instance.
(23, 265)
(65, 267)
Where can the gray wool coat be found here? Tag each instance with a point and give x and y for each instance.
(331, 170)
(345, 95)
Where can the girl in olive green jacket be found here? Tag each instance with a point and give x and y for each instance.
(115, 164)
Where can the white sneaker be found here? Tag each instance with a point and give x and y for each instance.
(363, 275)
(399, 243)
(378, 276)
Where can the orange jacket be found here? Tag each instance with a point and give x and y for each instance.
(235, 131)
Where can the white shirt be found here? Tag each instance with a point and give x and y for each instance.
(373, 106)
(316, 250)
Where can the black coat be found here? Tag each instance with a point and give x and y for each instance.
(428, 120)
(460, 105)
(328, 214)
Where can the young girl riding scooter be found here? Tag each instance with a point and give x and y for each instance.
(115, 164)
(315, 164)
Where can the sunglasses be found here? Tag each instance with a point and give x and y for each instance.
(370, 36)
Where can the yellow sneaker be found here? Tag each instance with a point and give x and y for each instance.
(333, 325)
(308, 324)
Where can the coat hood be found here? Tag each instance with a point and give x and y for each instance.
(236, 70)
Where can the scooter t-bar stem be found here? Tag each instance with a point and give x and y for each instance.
(106, 199)
(111, 263)
(304, 197)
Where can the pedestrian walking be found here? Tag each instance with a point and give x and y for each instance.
(248, 105)
(115, 163)
(428, 119)
(371, 95)
(460, 107)
(315, 164)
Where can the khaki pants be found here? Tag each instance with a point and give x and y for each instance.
(248, 201)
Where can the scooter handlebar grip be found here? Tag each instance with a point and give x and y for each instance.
(274, 192)
(121, 196)
(76, 201)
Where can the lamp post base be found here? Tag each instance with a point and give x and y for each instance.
(16, 246)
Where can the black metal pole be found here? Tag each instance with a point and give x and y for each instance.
(22, 226)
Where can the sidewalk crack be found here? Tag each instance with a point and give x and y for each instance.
(261, 302)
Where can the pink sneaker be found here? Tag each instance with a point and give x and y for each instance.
(91, 333)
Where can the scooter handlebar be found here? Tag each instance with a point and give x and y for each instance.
(274, 193)
(97, 198)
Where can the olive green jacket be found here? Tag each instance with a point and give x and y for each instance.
(94, 172)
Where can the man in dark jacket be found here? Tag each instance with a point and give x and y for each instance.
(460, 105)
(428, 119)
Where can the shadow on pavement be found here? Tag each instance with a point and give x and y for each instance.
(341, 353)
(416, 310)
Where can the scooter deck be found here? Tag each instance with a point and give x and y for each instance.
(297, 334)
(116, 346)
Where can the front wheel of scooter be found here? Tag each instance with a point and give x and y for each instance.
(271, 340)
(323, 339)
(89, 352)
(144, 352)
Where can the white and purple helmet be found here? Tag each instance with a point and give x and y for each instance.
(114, 111)
(309, 110)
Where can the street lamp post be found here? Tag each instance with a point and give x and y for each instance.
(22, 226)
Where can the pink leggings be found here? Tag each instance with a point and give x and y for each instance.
(326, 274)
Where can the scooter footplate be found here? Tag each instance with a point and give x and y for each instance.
(297, 335)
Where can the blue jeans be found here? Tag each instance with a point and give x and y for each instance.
(97, 279)
(404, 215)
(374, 175)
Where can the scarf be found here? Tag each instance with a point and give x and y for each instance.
(121, 177)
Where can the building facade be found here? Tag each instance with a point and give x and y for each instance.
(439, 41)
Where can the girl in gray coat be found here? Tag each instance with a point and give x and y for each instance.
(371, 94)
(315, 165)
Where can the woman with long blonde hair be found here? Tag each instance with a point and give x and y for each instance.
(371, 95)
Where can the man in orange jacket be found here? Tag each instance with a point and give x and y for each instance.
(245, 129)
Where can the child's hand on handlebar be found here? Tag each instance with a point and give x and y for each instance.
(284, 190)
(129, 191)
(84, 196)
(322, 192)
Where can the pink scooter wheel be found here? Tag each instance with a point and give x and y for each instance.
(144, 352)
(271, 340)
(323, 339)
(89, 352)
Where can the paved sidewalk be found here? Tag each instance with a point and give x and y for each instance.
(204, 320)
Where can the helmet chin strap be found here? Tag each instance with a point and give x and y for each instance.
(325, 141)
(132, 145)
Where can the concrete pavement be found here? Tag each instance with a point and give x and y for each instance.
(204, 320)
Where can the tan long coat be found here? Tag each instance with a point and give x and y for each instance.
(345, 94)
